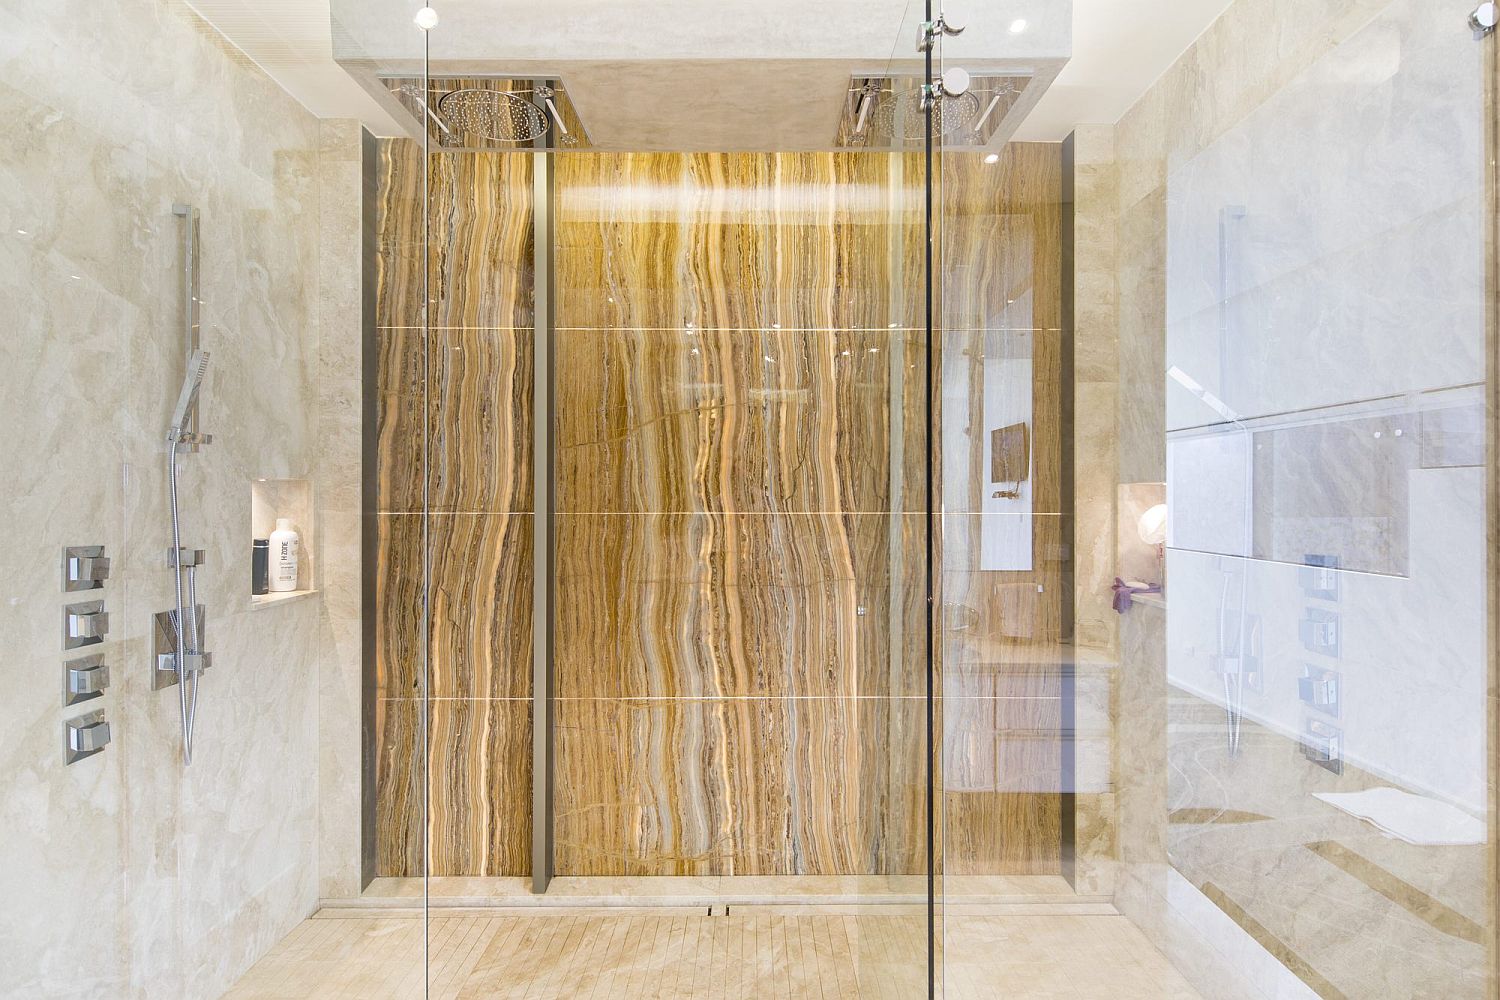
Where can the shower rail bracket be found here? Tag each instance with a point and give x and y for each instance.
(188, 557)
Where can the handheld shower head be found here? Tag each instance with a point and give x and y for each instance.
(197, 368)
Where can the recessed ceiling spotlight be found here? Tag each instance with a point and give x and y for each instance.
(992, 158)
(1017, 26)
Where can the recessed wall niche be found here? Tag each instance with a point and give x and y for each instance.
(276, 498)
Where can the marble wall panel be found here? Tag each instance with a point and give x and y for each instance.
(1286, 235)
(478, 775)
(746, 242)
(176, 877)
(478, 649)
(709, 419)
(454, 438)
(479, 269)
(739, 398)
(697, 605)
(682, 786)
(478, 407)
(730, 381)
(479, 631)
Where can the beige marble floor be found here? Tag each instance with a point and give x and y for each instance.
(750, 954)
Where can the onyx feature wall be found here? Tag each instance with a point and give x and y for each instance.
(476, 358)
(740, 541)
(728, 702)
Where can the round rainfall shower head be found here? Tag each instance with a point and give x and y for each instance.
(493, 114)
(951, 113)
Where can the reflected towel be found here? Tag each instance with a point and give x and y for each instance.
(1125, 591)
(1412, 818)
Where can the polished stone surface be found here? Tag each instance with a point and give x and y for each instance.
(739, 395)
(751, 952)
(1301, 251)
(177, 877)
(454, 438)
(754, 75)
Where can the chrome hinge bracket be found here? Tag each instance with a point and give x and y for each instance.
(927, 35)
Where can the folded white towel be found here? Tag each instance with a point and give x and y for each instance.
(1412, 818)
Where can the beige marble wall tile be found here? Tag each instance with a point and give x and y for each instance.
(178, 876)
(1263, 861)
(337, 490)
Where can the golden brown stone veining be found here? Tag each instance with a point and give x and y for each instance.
(740, 384)
(464, 385)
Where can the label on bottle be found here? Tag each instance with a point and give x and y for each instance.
(286, 563)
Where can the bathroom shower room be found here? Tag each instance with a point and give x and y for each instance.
(864, 500)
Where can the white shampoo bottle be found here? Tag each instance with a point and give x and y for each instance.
(285, 553)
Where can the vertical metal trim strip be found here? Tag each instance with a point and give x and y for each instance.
(1490, 70)
(543, 507)
(932, 527)
(369, 532)
(1067, 647)
(426, 664)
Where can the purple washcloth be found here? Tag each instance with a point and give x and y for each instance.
(1124, 594)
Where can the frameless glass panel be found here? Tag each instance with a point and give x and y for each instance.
(1256, 721)
(1009, 661)
(1328, 753)
(167, 720)
(678, 640)
(378, 904)
(69, 833)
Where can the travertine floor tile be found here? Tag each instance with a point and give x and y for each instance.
(556, 955)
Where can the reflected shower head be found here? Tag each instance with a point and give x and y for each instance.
(191, 383)
(904, 115)
(493, 114)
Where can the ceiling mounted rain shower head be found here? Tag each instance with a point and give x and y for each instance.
(903, 115)
(886, 112)
(493, 113)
